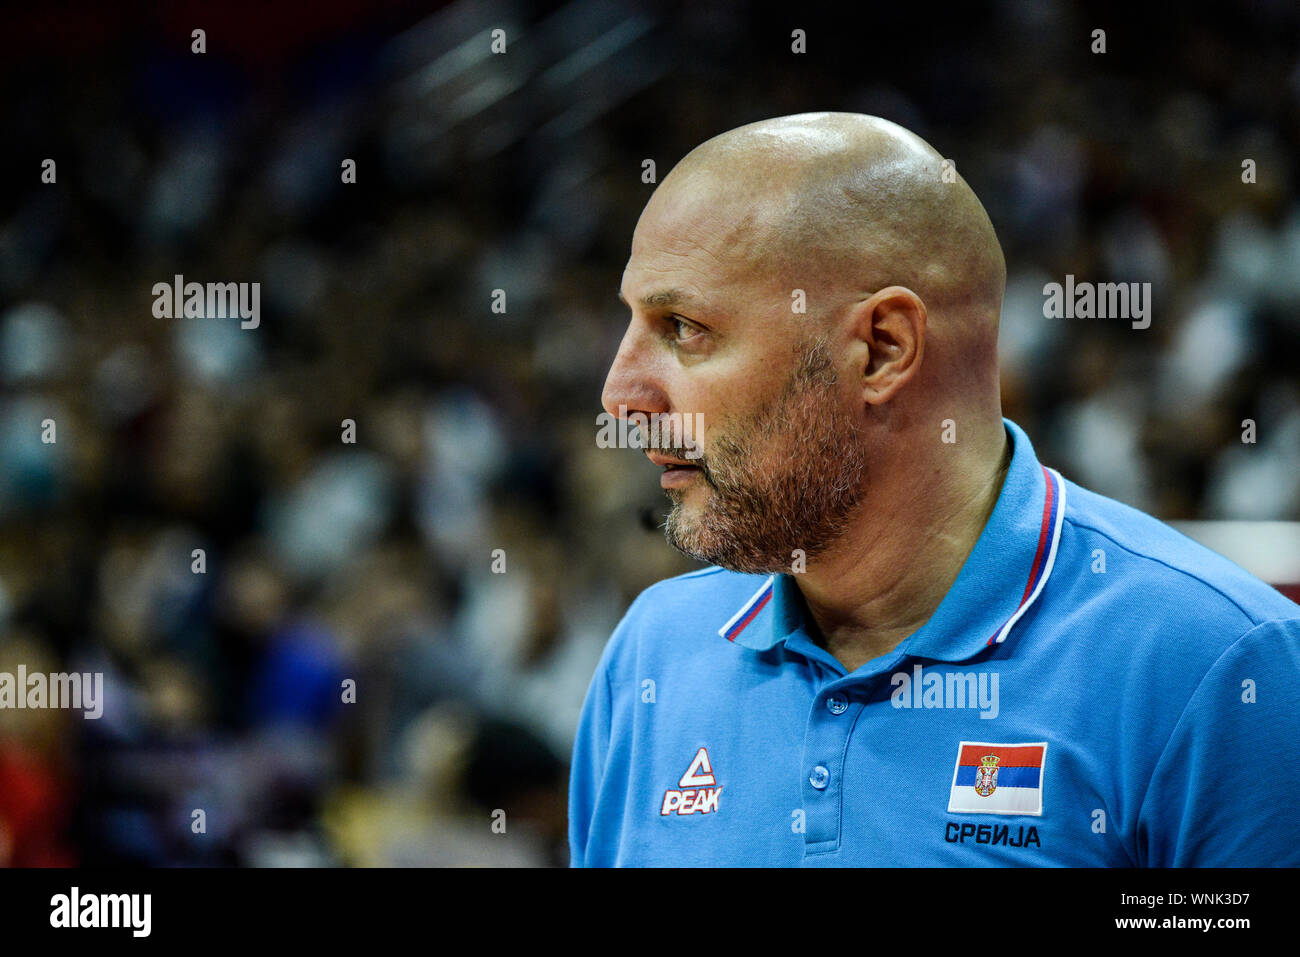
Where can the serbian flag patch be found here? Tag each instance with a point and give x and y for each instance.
(998, 779)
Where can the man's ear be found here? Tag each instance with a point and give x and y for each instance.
(891, 323)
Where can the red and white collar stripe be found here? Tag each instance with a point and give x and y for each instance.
(1049, 537)
(748, 611)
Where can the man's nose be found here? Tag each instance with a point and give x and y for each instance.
(633, 383)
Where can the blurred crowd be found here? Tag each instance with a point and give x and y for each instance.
(202, 534)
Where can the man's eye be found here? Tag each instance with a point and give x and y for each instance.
(683, 330)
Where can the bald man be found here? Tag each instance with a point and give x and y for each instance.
(915, 645)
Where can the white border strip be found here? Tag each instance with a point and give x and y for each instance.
(1268, 550)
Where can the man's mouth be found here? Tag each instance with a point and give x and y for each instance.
(676, 472)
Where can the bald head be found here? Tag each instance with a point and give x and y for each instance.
(852, 202)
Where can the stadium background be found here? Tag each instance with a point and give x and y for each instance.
(476, 430)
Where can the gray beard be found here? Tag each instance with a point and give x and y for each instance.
(756, 518)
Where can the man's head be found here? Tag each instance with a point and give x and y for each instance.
(787, 280)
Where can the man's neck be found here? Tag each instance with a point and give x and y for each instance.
(885, 577)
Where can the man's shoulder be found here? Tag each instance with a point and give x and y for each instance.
(697, 596)
(1151, 562)
(688, 608)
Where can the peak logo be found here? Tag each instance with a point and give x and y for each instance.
(698, 790)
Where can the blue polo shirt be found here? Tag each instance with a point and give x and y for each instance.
(1094, 690)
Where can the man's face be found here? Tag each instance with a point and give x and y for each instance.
(780, 461)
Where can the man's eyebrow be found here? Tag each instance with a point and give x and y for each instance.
(662, 299)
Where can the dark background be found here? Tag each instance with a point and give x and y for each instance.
(475, 430)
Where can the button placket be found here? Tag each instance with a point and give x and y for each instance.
(825, 744)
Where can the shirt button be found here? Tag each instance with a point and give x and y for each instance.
(837, 704)
(819, 777)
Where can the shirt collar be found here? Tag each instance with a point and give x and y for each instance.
(1001, 578)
